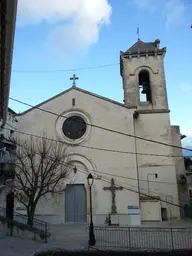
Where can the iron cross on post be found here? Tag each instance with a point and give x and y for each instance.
(112, 189)
(74, 78)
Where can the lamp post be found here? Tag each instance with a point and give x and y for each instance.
(153, 174)
(92, 240)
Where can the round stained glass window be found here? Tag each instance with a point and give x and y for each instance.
(74, 127)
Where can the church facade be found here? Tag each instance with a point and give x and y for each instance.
(134, 177)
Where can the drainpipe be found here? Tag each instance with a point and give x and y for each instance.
(135, 116)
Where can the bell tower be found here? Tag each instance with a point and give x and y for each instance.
(142, 71)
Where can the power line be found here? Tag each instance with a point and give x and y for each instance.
(140, 193)
(64, 70)
(149, 196)
(118, 176)
(135, 179)
(106, 173)
(95, 148)
(103, 128)
(158, 194)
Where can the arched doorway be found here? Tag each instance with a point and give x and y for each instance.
(75, 194)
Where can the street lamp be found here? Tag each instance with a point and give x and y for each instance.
(92, 240)
(153, 174)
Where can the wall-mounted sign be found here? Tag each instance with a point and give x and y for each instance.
(133, 210)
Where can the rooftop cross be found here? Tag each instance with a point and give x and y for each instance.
(74, 78)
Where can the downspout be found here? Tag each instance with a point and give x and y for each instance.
(135, 116)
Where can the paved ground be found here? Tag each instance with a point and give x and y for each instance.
(75, 237)
(17, 246)
(68, 236)
(173, 223)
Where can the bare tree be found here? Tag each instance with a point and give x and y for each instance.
(40, 169)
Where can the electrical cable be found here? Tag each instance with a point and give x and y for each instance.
(89, 147)
(112, 175)
(105, 129)
(65, 70)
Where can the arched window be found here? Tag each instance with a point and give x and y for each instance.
(144, 86)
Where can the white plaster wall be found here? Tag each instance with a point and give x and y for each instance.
(53, 209)
(104, 114)
(179, 161)
(160, 159)
(180, 167)
(115, 117)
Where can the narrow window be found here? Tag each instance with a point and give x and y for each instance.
(73, 102)
(144, 86)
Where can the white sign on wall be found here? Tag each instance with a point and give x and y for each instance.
(133, 210)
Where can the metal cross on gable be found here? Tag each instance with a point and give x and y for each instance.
(112, 189)
(74, 78)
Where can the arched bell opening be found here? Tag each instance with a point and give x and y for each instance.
(144, 87)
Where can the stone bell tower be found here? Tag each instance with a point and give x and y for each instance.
(142, 70)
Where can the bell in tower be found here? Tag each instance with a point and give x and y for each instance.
(142, 71)
(144, 84)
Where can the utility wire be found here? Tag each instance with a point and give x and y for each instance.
(112, 175)
(148, 196)
(144, 189)
(129, 189)
(95, 148)
(80, 169)
(64, 70)
(141, 193)
(130, 178)
(84, 171)
(106, 173)
(103, 128)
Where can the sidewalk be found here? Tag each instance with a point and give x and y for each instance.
(68, 237)
(173, 223)
(18, 246)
